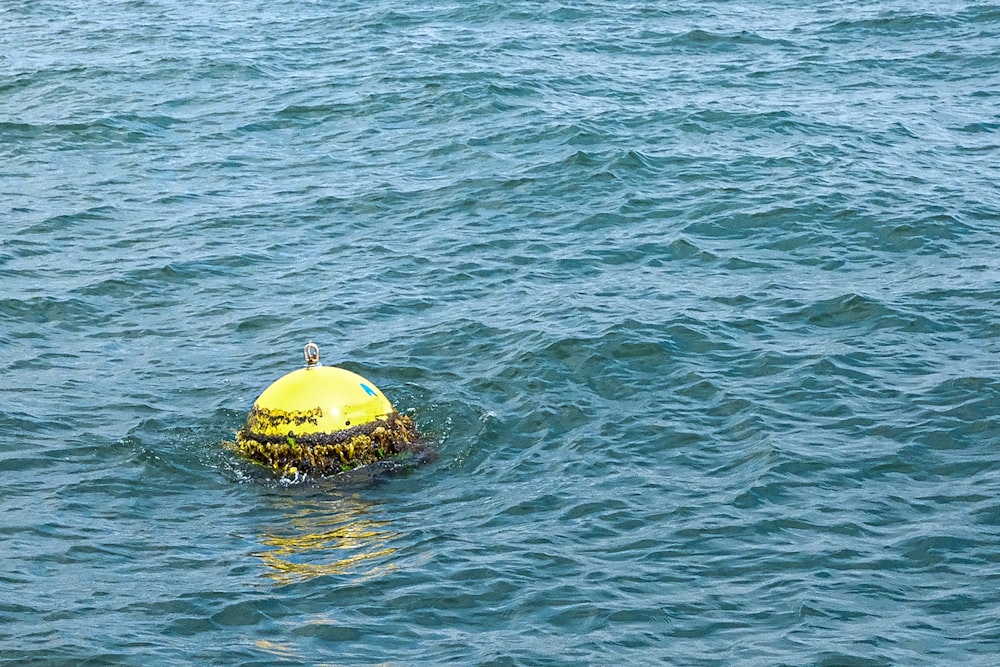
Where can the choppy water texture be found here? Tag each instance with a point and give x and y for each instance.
(697, 301)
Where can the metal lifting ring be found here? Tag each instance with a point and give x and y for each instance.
(312, 354)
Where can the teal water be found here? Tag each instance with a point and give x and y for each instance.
(698, 303)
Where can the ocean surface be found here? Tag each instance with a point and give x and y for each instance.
(697, 302)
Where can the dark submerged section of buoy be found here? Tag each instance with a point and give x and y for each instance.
(327, 453)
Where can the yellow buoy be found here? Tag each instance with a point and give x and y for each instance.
(322, 419)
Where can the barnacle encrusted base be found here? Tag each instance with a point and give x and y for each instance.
(327, 453)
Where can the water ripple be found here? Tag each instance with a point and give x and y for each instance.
(695, 305)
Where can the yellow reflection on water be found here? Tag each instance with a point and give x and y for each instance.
(283, 651)
(327, 537)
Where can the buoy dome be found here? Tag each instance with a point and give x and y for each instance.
(318, 399)
(322, 419)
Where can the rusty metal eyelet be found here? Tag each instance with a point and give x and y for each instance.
(312, 354)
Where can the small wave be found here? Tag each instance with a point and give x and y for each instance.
(862, 313)
(979, 127)
(125, 129)
(895, 23)
(987, 15)
(66, 313)
(706, 121)
(717, 41)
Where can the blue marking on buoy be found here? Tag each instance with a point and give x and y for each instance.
(368, 390)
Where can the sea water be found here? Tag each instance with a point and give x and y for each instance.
(697, 303)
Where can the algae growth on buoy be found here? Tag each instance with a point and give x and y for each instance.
(322, 419)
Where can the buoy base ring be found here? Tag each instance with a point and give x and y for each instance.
(329, 453)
